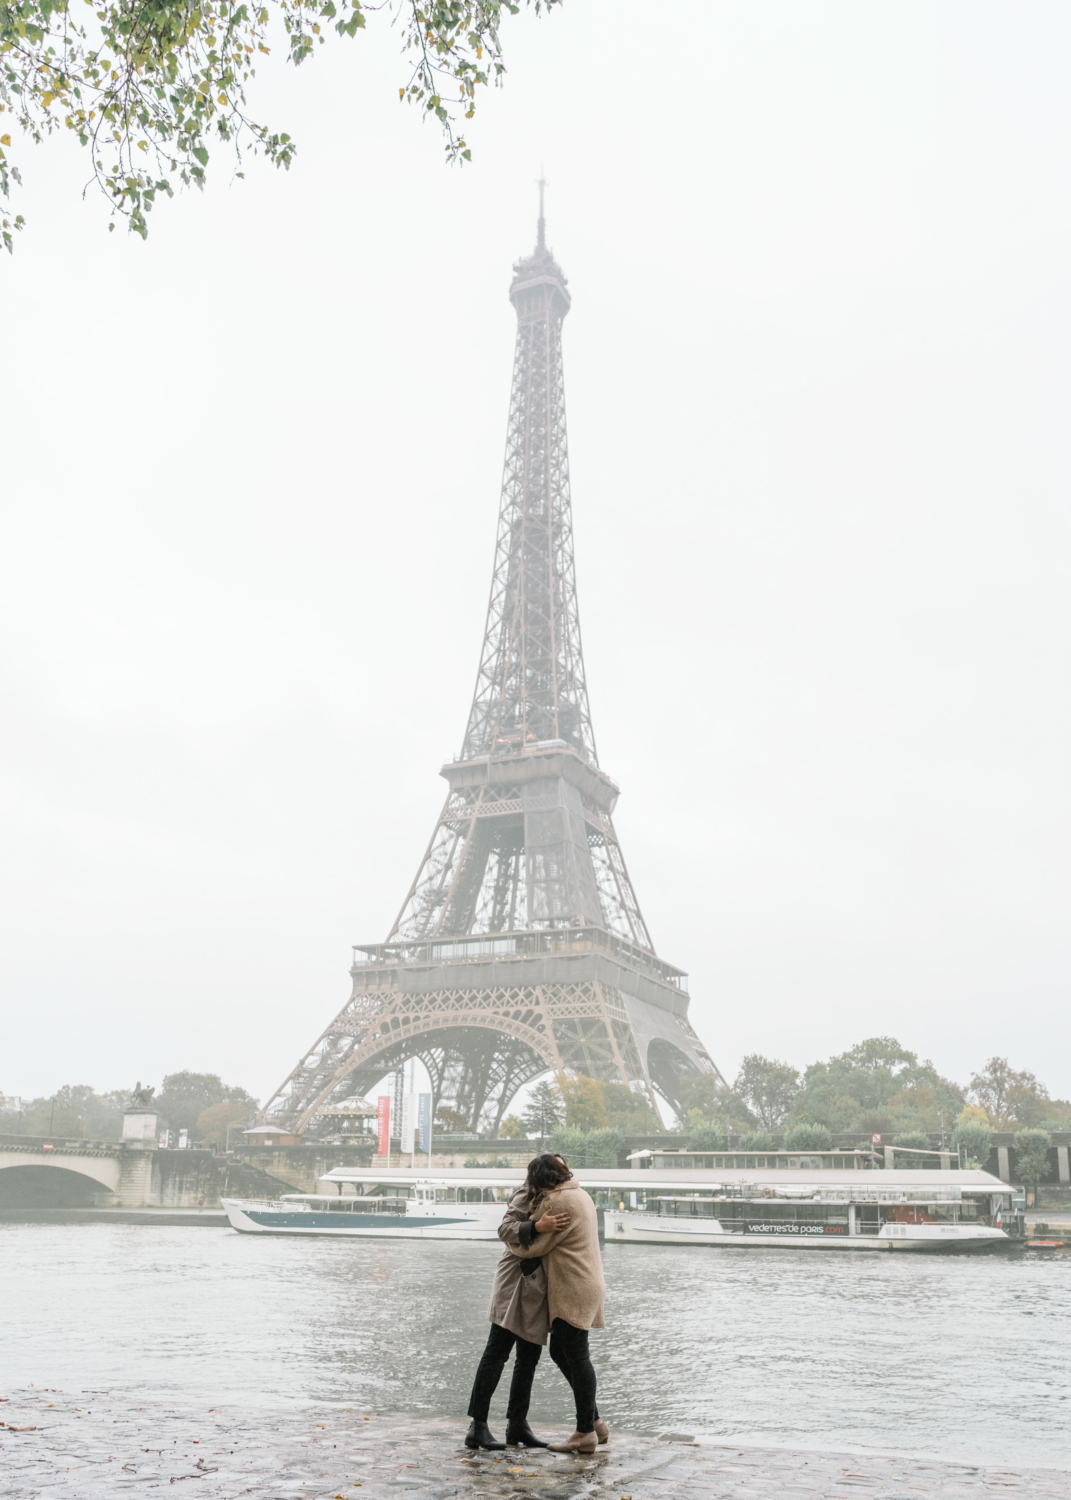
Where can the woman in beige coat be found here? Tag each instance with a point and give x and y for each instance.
(518, 1320)
(519, 1312)
(576, 1291)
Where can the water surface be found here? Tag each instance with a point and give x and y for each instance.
(951, 1355)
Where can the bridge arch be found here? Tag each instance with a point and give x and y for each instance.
(40, 1184)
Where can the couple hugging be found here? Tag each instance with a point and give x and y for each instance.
(549, 1280)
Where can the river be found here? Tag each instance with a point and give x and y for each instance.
(954, 1356)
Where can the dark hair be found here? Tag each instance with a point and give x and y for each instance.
(545, 1173)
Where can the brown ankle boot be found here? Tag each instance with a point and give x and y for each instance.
(580, 1442)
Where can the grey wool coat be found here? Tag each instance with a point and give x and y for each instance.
(519, 1292)
(576, 1289)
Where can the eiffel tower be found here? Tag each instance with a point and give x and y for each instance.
(521, 947)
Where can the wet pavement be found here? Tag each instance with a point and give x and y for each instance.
(99, 1444)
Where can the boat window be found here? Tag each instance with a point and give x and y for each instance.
(867, 1218)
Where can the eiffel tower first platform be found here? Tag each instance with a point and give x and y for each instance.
(520, 947)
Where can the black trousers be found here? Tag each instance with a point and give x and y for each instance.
(569, 1351)
(489, 1371)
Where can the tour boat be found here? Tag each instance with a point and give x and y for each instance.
(814, 1209)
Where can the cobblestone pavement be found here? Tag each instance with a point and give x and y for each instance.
(106, 1444)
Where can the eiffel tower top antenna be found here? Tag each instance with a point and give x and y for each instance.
(541, 240)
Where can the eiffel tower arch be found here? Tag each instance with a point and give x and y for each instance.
(520, 947)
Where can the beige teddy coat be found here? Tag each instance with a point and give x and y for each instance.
(576, 1290)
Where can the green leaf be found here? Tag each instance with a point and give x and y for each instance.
(201, 154)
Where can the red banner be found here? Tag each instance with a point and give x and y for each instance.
(383, 1121)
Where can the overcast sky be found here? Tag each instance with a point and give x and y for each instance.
(817, 382)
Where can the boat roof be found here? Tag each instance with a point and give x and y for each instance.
(880, 1180)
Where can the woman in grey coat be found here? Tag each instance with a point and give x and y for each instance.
(520, 1312)
(519, 1317)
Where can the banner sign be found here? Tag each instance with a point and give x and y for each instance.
(424, 1122)
(408, 1122)
(770, 1226)
(383, 1122)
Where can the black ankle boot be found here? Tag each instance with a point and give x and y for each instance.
(479, 1435)
(520, 1435)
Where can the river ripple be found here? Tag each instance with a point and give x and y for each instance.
(953, 1355)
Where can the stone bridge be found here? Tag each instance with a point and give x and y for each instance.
(50, 1173)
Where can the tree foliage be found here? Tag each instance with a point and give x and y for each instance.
(708, 1102)
(767, 1089)
(545, 1109)
(588, 1148)
(451, 1121)
(585, 1102)
(1032, 1155)
(629, 1110)
(592, 1104)
(975, 1139)
(513, 1128)
(877, 1085)
(76, 1110)
(185, 1096)
(808, 1136)
(754, 1140)
(213, 1123)
(153, 88)
(919, 1139)
(1010, 1097)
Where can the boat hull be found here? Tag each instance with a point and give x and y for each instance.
(635, 1227)
(477, 1221)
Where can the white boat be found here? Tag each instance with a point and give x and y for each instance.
(816, 1209)
(386, 1209)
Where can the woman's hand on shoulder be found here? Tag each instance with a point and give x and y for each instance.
(552, 1223)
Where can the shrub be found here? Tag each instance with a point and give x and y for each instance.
(707, 1138)
(592, 1148)
(1032, 1156)
(755, 1140)
(569, 1142)
(603, 1147)
(975, 1140)
(917, 1138)
(808, 1137)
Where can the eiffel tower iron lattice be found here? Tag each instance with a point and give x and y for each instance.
(521, 947)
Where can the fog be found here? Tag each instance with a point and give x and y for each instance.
(817, 382)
